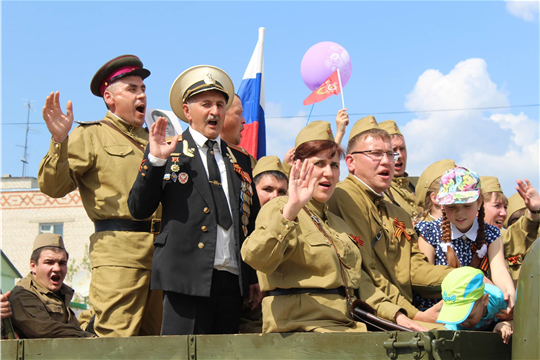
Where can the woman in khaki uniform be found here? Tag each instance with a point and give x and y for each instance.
(296, 243)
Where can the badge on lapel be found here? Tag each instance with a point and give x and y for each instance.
(183, 178)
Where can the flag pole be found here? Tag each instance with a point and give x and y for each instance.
(310, 111)
(341, 88)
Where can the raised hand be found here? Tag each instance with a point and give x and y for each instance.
(529, 195)
(157, 139)
(342, 120)
(58, 123)
(301, 188)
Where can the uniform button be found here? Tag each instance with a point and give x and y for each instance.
(328, 242)
(280, 237)
(56, 146)
(206, 210)
(200, 245)
(393, 241)
(121, 153)
(204, 229)
(287, 226)
(143, 174)
(145, 167)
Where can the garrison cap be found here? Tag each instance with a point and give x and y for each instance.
(119, 67)
(269, 163)
(391, 127)
(490, 184)
(515, 203)
(429, 175)
(317, 130)
(196, 80)
(364, 124)
(43, 240)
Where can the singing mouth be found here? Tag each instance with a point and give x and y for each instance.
(141, 108)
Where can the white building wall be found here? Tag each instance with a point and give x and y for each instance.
(23, 210)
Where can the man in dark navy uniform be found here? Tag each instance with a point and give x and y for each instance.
(209, 207)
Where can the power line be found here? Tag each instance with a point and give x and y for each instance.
(363, 113)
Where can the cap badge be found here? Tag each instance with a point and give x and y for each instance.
(372, 120)
(395, 127)
(209, 79)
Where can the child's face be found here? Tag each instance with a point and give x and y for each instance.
(462, 215)
(476, 312)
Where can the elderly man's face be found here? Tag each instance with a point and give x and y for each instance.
(377, 174)
(50, 269)
(127, 99)
(234, 123)
(399, 146)
(206, 112)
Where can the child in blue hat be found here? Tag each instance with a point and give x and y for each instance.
(470, 304)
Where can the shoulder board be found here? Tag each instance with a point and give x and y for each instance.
(238, 148)
(168, 139)
(88, 122)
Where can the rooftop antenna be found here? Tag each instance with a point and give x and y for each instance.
(24, 159)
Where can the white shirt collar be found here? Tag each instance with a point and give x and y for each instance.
(369, 187)
(200, 139)
(471, 233)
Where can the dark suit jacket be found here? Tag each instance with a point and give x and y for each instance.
(184, 250)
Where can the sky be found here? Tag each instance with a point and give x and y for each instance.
(477, 61)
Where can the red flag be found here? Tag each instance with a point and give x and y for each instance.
(328, 88)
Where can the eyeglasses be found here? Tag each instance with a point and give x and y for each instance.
(377, 155)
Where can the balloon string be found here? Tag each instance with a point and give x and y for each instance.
(310, 111)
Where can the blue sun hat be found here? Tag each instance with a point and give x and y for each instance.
(460, 289)
(458, 186)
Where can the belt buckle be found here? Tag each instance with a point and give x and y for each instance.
(155, 228)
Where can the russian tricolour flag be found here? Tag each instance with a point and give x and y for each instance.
(251, 91)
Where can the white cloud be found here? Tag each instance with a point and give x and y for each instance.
(502, 145)
(527, 10)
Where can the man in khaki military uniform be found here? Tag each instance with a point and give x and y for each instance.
(101, 159)
(427, 188)
(390, 253)
(521, 230)
(40, 301)
(401, 191)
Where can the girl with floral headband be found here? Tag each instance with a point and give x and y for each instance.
(461, 237)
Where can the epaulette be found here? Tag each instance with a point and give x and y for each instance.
(88, 122)
(238, 148)
(168, 139)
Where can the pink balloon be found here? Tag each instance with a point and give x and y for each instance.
(321, 60)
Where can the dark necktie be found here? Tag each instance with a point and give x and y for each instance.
(214, 178)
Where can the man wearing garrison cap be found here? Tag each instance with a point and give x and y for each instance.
(40, 301)
(401, 190)
(390, 253)
(209, 206)
(101, 159)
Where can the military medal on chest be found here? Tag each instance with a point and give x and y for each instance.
(246, 193)
(175, 158)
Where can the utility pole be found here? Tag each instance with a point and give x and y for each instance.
(24, 159)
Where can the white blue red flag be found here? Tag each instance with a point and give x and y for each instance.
(251, 91)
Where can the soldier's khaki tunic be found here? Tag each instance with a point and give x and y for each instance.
(394, 263)
(40, 313)
(401, 194)
(103, 164)
(295, 254)
(517, 240)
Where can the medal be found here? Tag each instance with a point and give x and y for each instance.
(183, 178)
(167, 177)
(245, 219)
(175, 168)
(245, 207)
(244, 229)
(174, 177)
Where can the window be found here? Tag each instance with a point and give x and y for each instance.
(52, 228)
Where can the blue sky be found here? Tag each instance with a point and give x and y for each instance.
(407, 57)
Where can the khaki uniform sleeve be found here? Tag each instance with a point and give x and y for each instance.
(31, 318)
(426, 278)
(64, 163)
(266, 248)
(519, 237)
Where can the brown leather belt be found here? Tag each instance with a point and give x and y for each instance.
(294, 291)
(153, 226)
